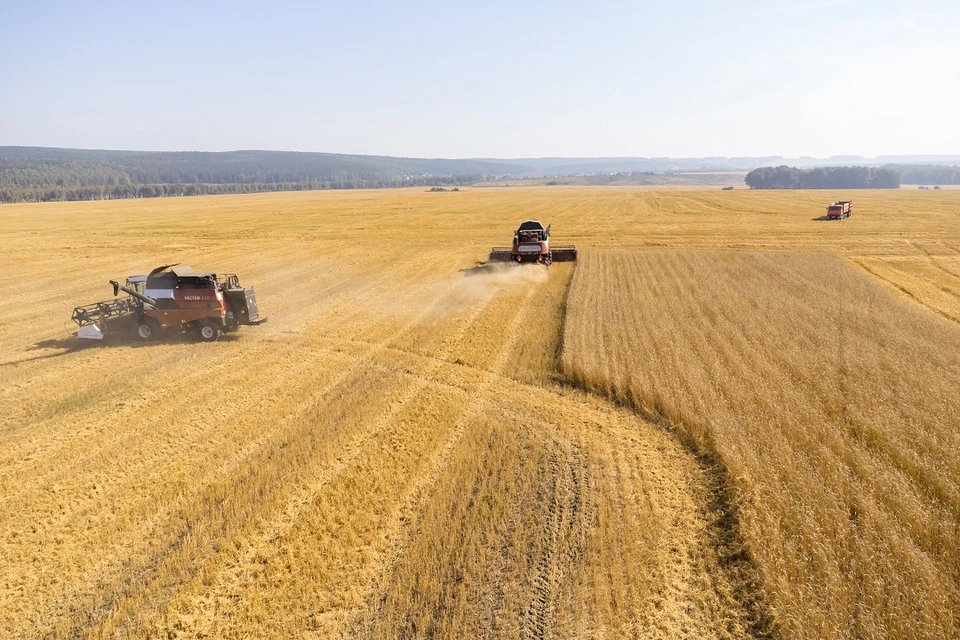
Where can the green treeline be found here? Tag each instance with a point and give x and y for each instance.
(29, 174)
(887, 177)
(57, 193)
(929, 174)
(33, 174)
(784, 177)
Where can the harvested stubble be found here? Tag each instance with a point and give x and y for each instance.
(390, 453)
(832, 404)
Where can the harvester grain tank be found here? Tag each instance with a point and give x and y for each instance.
(171, 298)
(840, 209)
(531, 243)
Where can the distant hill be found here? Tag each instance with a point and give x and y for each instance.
(582, 166)
(30, 174)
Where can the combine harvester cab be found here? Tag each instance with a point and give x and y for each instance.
(839, 210)
(172, 298)
(531, 243)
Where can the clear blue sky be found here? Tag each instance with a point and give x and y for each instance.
(485, 79)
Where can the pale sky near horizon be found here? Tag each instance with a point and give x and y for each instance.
(493, 79)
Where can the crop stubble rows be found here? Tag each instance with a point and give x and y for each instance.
(287, 480)
(390, 454)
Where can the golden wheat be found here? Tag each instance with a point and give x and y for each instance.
(392, 453)
(831, 404)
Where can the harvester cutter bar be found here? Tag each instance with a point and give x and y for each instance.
(97, 312)
(501, 254)
(564, 254)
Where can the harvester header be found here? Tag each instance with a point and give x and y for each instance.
(531, 243)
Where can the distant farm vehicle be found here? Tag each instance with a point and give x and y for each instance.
(531, 243)
(171, 298)
(728, 188)
(839, 210)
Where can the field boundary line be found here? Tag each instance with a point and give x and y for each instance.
(891, 283)
(733, 555)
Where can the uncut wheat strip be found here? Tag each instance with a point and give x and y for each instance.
(791, 356)
(687, 341)
(734, 325)
(800, 357)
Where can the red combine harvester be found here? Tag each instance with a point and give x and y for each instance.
(531, 243)
(839, 210)
(171, 298)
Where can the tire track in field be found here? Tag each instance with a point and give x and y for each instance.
(906, 292)
(271, 535)
(933, 261)
(565, 478)
(701, 581)
(404, 523)
(563, 501)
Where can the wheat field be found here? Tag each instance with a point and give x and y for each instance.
(831, 404)
(404, 450)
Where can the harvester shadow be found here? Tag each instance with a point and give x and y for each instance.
(821, 219)
(73, 344)
(63, 345)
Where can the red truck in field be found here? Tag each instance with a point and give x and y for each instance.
(840, 209)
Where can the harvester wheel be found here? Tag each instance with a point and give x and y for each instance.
(209, 331)
(148, 329)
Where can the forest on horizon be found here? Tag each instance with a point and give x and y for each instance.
(33, 174)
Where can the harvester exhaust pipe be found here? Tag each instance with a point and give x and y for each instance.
(117, 287)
